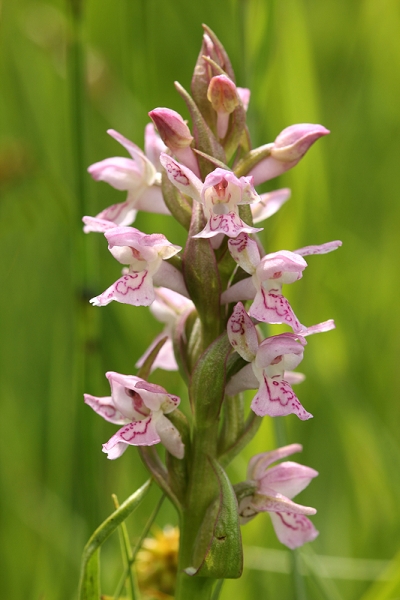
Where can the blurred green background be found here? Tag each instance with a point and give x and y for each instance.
(64, 82)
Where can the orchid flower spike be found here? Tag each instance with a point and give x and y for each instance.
(286, 151)
(141, 408)
(220, 194)
(276, 486)
(271, 362)
(145, 256)
(268, 274)
(167, 308)
(136, 175)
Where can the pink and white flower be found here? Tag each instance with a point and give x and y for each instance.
(276, 486)
(136, 175)
(286, 151)
(220, 194)
(167, 308)
(141, 408)
(145, 256)
(268, 274)
(271, 363)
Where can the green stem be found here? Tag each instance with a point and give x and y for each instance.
(202, 489)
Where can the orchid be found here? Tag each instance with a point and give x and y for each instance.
(168, 307)
(220, 194)
(268, 274)
(286, 151)
(144, 255)
(136, 175)
(275, 488)
(269, 363)
(141, 408)
(208, 336)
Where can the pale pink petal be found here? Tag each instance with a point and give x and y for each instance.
(274, 308)
(259, 463)
(229, 224)
(144, 165)
(120, 214)
(242, 290)
(293, 377)
(271, 501)
(165, 358)
(115, 451)
(242, 333)
(244, 95)
(125, 400)
(156, 397)
(245, 252)
(153, 145)
(137, 433)
(151, 200)
(168, 276)
(96, 224)
(319, 328)
(281, 267)
(129, 236)
(241, 381)
(121, 173)
(321, 249)
(182, 177)
(169, 435)
(133, 288)
(105, 408)
(277, 399)
(285, 351)
(269, 168)
(293, 530)
(269, 204)
(288, 478)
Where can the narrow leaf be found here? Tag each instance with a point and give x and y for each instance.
(90, 557)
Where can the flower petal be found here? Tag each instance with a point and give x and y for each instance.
(245, 252)
(293, 530)
(137, 433)
(182, 177)
(169, 435)
(321, 249)
(277, 399)
(242, 334)
(288, 478)
(269, 204)
(133, 288)
(229, 224)
(274, 308)
(260, 462)
(105, 408)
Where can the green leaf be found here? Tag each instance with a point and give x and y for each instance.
(179, 205)
(207, 386)
(145, 369)
(201, 274)
(89, 588)
(219, 543)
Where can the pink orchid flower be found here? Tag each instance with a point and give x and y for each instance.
(145, 256)
(220, 194)
(141, 408)
(276, 486)
(136, 175)
(268, 274)
(167, 308)
(269, 365)
(287, 150)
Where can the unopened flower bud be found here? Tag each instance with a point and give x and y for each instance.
(222, 94)
(294, 141)
(173, 130)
